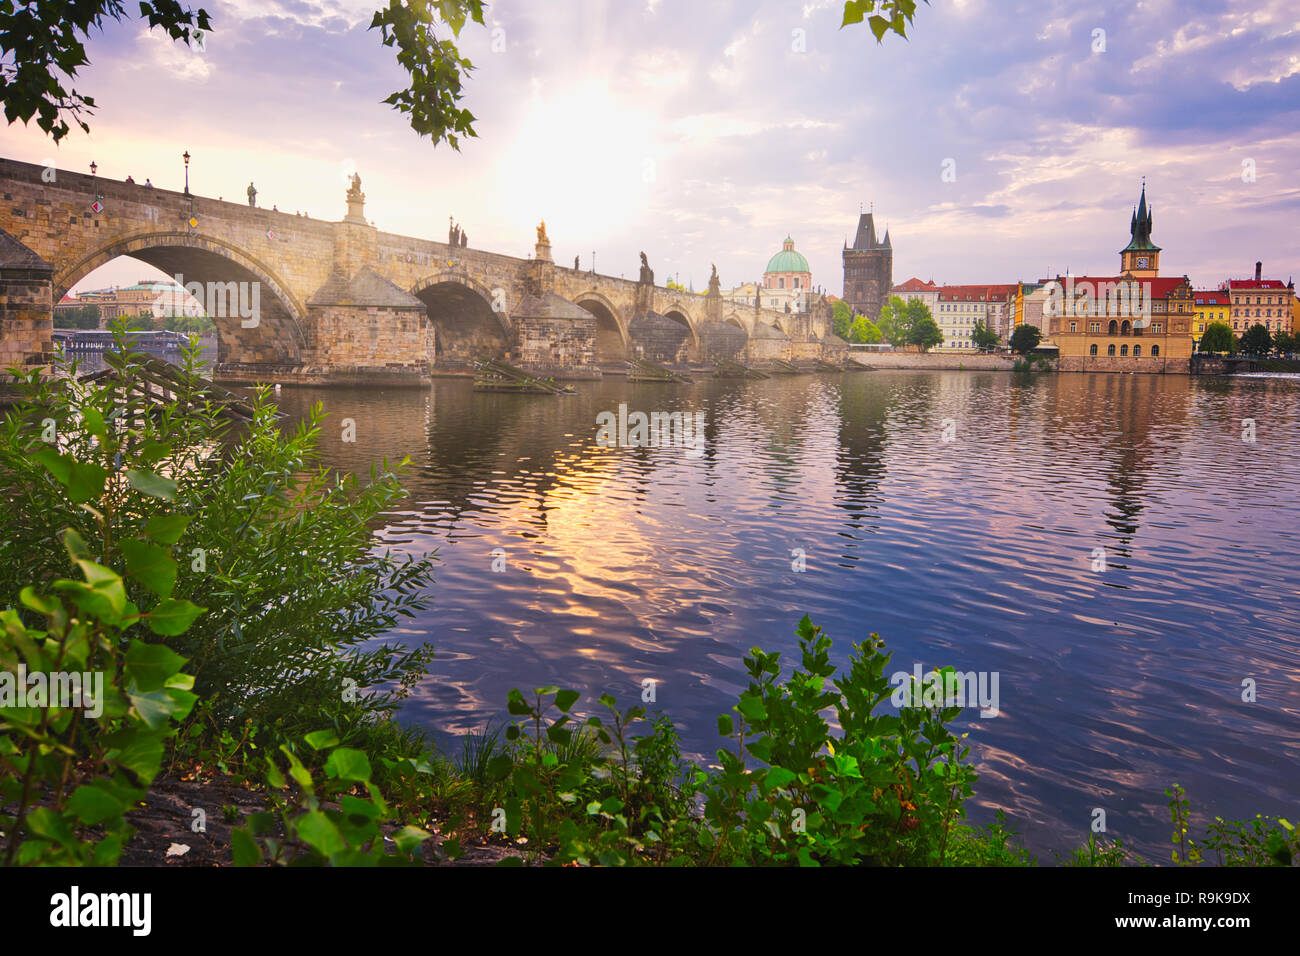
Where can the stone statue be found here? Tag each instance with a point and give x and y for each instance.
(252, 194)
(354, 191)
(647, 274)
(575, 263)
(464, 239)
(451, 230)
(715, 284)
(541, 234)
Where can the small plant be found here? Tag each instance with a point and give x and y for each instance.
(312, 831)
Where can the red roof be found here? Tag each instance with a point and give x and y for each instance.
(914, 285)
(1209, 297)
(1161, 288)
(975, 293)
(1235, 284)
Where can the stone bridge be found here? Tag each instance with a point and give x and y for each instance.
(305, 300)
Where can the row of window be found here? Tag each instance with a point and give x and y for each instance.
(1123, 350)
(1267, 300)
(1115, 328)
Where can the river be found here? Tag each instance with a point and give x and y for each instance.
(984, 551)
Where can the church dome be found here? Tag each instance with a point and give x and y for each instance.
(787, 260)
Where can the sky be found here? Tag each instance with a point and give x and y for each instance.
(705, 133)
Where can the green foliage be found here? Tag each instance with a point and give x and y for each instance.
(82, 317)
(882, 16)
(895, 321)
(41, 49)
(991, 845)
(864, 330)
(278, 549)
(74, 764)
(190, 324)
(1100, 853)
(436, 68)
(1256, 340)
(1217, 337)
(1284, 342)
(340, 819)
(1263, 841)
(841, 319)
(925, 332)
(1025, 339)
(983, 336)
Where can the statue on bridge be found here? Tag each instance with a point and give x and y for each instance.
(647, 274)
(541, 234)
(464, 239)
(354, 191)
(575, 263)
(715, 284)
(453, 232)
(252, 194)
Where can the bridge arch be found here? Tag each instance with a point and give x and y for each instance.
(280, 334)
(679, 314)
(466, 326)
(611, 329)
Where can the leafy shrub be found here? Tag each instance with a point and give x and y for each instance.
(311, 830)
(279, 549)
(72, 769)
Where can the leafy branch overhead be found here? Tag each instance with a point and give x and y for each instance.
(436, 67)
(882, 16)
(41, 50)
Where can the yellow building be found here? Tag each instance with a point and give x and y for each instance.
(1212, 305)
(1135, 321)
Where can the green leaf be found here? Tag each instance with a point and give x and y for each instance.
(345, 763)
(566, 699)
(319, 831)
(408, 839)
(166, 529)
(855, 10)
(173, 616)
(245, 849)
(516, 704)
(84, 480)
(725, 725)
(92, 804)
(752, 708)
(149, 665)
(151, 565)
(879, 26)
(321, 739)
(158, 707)
(779, 777)
(156, 486)
(75, 545)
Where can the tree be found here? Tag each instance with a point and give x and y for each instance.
(1284, 341)
(81, 317)
(983, 336)
(1256, 340)
(1025, 339)
(864, 331)
(1217, 337)
(841, 319)
(895, 321)
(924, 333)
(42, 48)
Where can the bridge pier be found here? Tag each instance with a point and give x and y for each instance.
(26, 305)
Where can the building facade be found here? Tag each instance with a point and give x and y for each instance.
(868, 269)
(1134, 321)
(1260, 301)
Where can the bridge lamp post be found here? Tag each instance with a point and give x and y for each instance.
(186, 157)
(93, 171)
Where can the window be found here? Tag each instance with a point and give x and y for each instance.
(1110, 350)
(1074, 326)
(1094, 326)
(1112, 328)
(1155, 351)
(1158, 328)
(1123, 350)
(1137, 351)
(1092, 349)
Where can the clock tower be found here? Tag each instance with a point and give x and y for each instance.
(1140, 259)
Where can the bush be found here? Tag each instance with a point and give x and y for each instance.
(279, 550)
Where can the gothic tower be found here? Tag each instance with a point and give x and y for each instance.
(868, 269)
(1140, 259)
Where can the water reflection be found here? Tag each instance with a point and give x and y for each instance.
(623, 564)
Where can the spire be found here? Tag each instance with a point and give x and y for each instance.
(866, 235)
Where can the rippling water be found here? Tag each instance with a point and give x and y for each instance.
(623, 564)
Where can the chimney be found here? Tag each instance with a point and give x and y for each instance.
(1259, 270)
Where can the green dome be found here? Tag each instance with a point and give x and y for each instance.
(787, 260)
